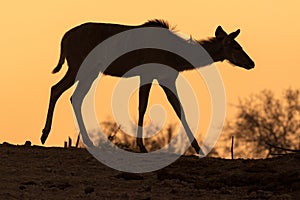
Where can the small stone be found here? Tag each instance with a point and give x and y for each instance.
(223, 190)
(261, 194)
(89, 190)
(173, 191)
(4, 156)
(48, 169)
(130, 176)
(63, 186)
(267, 194)
(147, 189)
(22, 187)
(283, 197)
(29, 183)
(6, 144)
(252, 195)
(27, 143)
(295, 186)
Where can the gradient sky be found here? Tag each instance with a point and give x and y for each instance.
(30, 39)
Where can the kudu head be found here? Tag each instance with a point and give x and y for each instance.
(231, 50)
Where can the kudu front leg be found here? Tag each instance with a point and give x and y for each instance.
(56, 91)
(143, 102)
(172, 96)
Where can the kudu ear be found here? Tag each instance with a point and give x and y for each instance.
(234, 34)
(220, 33)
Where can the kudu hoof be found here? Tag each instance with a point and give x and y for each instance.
(143, 149)
(201, 154)
(44, 136)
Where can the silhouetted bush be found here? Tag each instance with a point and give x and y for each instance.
(264, 119)
(160, 137)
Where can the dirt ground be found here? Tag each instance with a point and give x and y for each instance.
(68, 173)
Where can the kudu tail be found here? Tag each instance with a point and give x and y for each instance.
(61, 58)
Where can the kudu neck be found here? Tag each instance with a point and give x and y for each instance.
(214, 48)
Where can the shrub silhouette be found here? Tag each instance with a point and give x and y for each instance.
(264, 119)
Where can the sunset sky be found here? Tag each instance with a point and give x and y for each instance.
(31, 32)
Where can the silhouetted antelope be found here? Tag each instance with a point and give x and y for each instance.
(79, 41)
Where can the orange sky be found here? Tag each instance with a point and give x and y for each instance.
(31, 32)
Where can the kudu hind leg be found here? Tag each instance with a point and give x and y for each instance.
(143, 102)
(77, 100)
(56, 91)
(173, 98)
